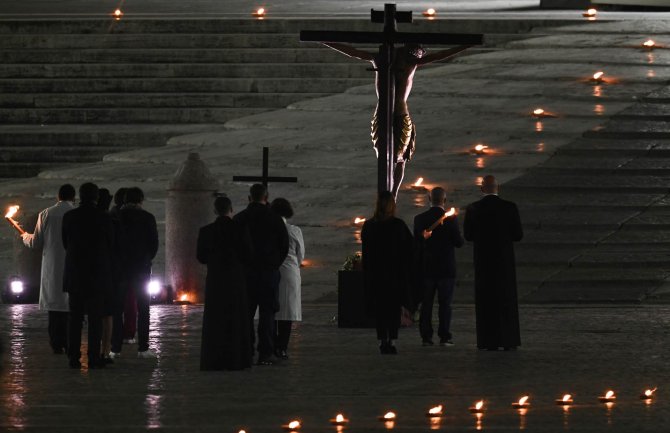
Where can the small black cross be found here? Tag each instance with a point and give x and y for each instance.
(265, 178)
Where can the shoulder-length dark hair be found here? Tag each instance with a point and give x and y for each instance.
(385, 208)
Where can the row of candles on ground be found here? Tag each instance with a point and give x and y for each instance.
(478, 408)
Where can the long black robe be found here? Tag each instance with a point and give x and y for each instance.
(225, 246)
(387, 263)
(493, 224)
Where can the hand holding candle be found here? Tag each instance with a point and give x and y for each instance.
(9, 217)
(429, 231)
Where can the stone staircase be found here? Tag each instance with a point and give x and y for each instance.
(74, 90)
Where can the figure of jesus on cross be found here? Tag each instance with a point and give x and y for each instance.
(392, 129)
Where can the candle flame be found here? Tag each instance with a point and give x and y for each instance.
(609, 394)
(389, 415)
(538, 112)
(480, 148)
(567, 397)
(339, 418)
(118, 13)
(359, 220)
(11, 211)
(294, 425)
(437, 410)
(260, 11)
(242, 431)
(418, 182)
(430, 12)
(183, 297)
(523, 400)
(650, 392)
(479, 405)
(649, 43)
(450, 212)
(591, 12)
(598, 75)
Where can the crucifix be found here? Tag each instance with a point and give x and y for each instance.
(393, 132)
(265, 178)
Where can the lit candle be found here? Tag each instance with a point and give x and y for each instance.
(388, 416)
(430, 13)
(565, 401)
(590, 13)
(522, 403)
(260, 12)
(478, 407)
(418, 185)
(540, 113)
(435, 412)
(292, 426)
(649, 44)
(598, 77)
(609, 397)
(339, 420)
(359, 220)
(480, 149)
(9, 216)
(648, 394)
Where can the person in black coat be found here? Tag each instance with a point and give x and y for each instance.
(493, 224)
(87, 239)
(387, 259)
(225, 246)
(138, 247)
(437, 265)
(270, 241)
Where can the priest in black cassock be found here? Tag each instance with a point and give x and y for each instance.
(493, 224)
(387, 262)
(225, 246)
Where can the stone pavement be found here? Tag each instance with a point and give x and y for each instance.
(571, 349)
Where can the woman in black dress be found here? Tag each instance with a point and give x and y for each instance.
(387, 259)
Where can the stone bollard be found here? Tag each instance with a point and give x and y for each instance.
(189, 206)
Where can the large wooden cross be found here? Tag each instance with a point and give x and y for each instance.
(387, 38)
(265, 178)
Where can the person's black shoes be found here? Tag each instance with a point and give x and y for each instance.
(427, 342)
(386, 348)
(446, 342)
(281, 354)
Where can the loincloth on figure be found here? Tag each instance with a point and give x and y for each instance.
(404, 136)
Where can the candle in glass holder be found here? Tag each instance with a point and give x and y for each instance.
(522, 403)
(430, 13)
(480, 149)
(649, 44)
(609, 397)
(292, 426)
(435, 412)
(598, 77)
(478, 407)
(260, 12)
(339, 420)
(565, 401)
(648, 394)
(388, 416)
(590, 13)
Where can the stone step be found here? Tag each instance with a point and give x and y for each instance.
(151, 100)
(26, 169)
(40, 116)
(186, 70)
(54, 154)
(105, 135)
(179, 85)
(172, 55)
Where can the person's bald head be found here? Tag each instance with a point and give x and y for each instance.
(489, 185)
(438, 196)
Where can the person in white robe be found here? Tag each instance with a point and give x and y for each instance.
(290, 303)
(48, 238)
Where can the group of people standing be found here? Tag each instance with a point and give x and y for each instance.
(96, 263)
(405, 269)
(253, 267)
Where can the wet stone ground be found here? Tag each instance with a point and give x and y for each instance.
(581, 350)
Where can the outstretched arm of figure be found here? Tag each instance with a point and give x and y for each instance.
(441, 55)
(350, 51)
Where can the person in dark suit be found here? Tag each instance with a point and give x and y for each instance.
(387, 258)
(437, 265)
(87, 239)
(493, 225)
(225, 246)
(138, 246)
(270, 241)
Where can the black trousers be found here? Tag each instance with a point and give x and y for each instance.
(263, 289)
(138, 284)
(58, 330)
(92, 308)
(283, 334)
